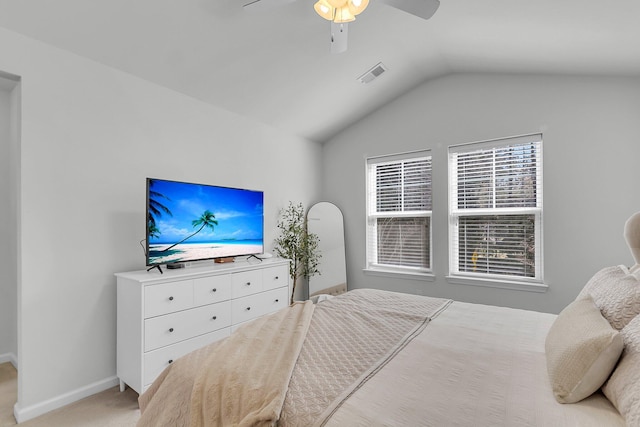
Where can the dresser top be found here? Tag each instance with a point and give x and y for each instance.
(199, 270)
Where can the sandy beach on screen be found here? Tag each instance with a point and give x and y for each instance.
(193, 251)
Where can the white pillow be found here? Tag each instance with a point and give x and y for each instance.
(616, 292)
(582, 349)
(623, 388)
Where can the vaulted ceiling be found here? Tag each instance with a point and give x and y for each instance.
(275, 66)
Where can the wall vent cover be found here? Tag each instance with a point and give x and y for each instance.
(373, 73)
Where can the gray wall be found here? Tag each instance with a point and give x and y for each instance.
(590, 128)
(90, 136)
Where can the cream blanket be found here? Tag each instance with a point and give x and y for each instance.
(239, 381)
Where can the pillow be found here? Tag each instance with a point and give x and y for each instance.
(582, 349)
(616, 292)
(623, 388)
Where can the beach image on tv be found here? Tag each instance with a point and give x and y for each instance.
(187, 222)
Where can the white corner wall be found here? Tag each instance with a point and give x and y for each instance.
(591, 149)
(90, 136)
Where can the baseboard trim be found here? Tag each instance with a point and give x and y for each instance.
(9, 357)
(23, 414)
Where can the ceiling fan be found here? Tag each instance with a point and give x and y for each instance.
(341, 12)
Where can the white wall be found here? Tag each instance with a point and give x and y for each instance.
(591, 149)
(90, 136)
(8, 226)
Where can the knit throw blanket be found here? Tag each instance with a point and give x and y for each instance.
(239, 381)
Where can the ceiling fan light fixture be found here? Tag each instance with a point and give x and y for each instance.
(343, 15)
(324, 9)
(357, 6)
(340, 11)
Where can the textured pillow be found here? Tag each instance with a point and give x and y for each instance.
(616, 293)
(623, 388)
(582, 349)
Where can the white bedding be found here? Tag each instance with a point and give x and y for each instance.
(474, 365)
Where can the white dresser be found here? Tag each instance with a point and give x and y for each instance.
(164, 316)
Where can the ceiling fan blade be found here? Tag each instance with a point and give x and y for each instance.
(339, 33)
(261, 5)
(421, 8)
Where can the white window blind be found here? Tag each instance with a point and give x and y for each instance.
(496, 208)
(399, 212)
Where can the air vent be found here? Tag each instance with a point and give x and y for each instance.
(373, 73)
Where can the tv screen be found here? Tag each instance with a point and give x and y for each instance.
(192, 222)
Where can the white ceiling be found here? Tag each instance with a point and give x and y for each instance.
(275, 66)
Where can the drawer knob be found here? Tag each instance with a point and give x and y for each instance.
(170, 298)
(277, 277)
(170, 329)
(277, 300)
(214, 290)
(248, 283)
(248, 308)
(214, 317)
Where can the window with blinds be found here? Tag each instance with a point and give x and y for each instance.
(399, 212)
(495, 196)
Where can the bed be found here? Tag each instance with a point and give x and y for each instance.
(373, 358)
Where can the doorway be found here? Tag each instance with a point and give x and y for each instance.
(9, 235)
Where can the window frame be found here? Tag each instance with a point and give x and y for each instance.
(508, 281)
(372, 267)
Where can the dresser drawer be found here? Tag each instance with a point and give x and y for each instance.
(275, 277)
(212, 289)
(156, 361)
(275, 299)
(246, 283)
(167, 298)
(172, 328)
(252, 306)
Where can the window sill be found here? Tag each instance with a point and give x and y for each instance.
(498, 283)
(429, 277)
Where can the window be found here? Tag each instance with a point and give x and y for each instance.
(495, 211)
(399, 212)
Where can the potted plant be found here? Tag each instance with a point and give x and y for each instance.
(297, 245)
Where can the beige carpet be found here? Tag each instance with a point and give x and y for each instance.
(109, 408)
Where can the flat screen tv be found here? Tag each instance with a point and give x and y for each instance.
(192, 222)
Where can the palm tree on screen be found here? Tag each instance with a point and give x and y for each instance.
(156, 209)
(207, 219)
(153, 230)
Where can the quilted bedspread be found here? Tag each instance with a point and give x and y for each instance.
(350, 338)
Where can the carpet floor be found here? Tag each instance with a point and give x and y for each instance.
(110, 408)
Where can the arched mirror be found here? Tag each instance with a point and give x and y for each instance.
(325, 219)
